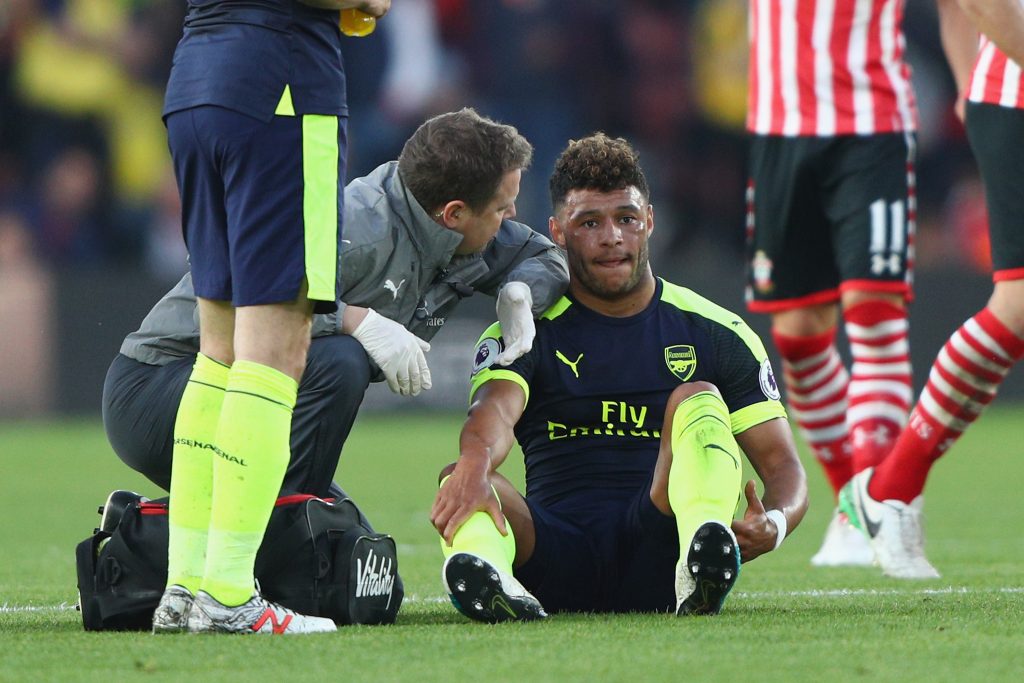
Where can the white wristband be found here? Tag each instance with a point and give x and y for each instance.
(780, 524)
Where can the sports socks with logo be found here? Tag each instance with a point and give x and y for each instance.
(880, 388)
(253, 442)
(479, 536)
(195, 429)
(963, 380)
(705, 477)
(816, 387)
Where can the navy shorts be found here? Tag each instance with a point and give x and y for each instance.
(992, 131)
(610, 552)
(261, 203)
(825, 215)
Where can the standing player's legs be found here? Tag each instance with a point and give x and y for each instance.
(279, 210)
(198, 414)
(284, 255)
(793, 276)
(963, 380)
(252, 438)
(697, 479)
(880, 388)
(968, 371)
(195, 432)
(875, 211)
(817, 384)
(871, 204)
(192, 464)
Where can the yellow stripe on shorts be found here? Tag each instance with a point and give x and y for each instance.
(320, 204)
(285, 107)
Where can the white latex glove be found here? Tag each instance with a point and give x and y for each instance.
(396, 351)
(516, 318)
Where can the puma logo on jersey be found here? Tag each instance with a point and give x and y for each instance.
(572, 364)
(393, 288)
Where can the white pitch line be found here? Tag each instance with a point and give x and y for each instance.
(6, 608)
(833, 593)
(860, 592)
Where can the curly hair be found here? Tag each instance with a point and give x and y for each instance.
(596, 162)
(461, 155)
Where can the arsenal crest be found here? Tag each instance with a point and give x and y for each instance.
(681, 360)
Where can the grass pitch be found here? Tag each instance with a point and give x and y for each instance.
(784, 621)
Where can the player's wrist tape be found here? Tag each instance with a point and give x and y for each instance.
(780, 524)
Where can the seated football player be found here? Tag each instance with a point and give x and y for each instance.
(634, 409)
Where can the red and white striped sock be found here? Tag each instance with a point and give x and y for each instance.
(880, 380)
(816, 382)
(963, 380)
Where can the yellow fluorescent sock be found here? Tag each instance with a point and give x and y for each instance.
(706, 475)
(195, 428)
(479, 535)
(252, 455)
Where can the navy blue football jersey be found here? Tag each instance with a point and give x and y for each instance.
(596, 386)
(240, 54)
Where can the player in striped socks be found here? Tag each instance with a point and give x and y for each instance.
(830, 226)
(885, 502)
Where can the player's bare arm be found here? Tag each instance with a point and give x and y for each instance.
(769, 447)
(960, 43)
(484, 443)
(375, 8)
(1002, 21)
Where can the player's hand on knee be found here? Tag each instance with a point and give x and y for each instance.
(397, 352)
(515, 314)
(461, 495)
(756, 533)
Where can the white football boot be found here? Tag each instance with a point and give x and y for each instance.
(258, 615)
(171, 615)
(893, 527)
(844, 545)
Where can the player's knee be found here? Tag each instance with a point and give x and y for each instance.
(854, 297)
(685, 391)
(805, 321)
(1007, 304)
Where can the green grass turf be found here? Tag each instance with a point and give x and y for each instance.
(784, 621)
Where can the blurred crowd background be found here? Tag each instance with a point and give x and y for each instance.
(86, 189)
